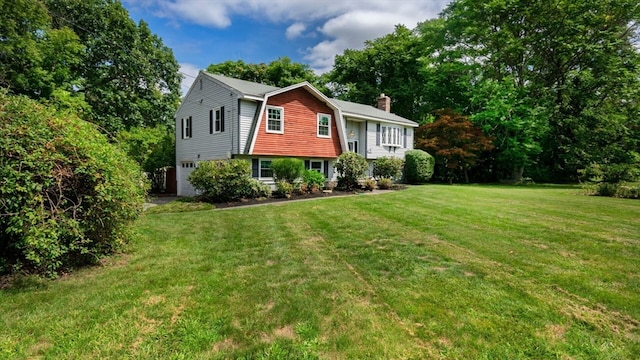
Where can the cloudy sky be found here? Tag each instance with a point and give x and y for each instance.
(202, 32)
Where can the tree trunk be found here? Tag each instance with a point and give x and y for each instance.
(517, 173)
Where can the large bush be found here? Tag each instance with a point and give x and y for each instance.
(351, 167)
(313, 179)
(388, 167)
(287, 169)
(418, 166)
(226, 180)
(67, 196)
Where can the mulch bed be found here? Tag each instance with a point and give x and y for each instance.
(270, 200)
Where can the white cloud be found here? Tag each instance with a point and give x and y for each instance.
(346, 24)
(295, 30)
(189, 73)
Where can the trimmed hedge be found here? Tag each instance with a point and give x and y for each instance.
(351, 167)
(67, 196)
(226, 180)
(418, 166)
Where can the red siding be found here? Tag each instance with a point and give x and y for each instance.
(300, 136)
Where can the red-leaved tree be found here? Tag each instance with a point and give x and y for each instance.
(454, 141)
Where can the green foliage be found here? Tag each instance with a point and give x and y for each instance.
(284, 189)
(151, 147)
(287, 169)
(351, 167)
(418, 166)
(370, 184)
(67, 196)
(313, 178)
(388, 167)
(226, 180)
(454, 141)
(385, 183)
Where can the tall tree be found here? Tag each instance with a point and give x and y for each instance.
(389, 65)
(574, 59)
(128, 76)
(281, 72)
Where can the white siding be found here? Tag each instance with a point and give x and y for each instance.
(247, 113)
(375, 151)
(202, 145)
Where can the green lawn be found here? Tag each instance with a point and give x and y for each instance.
(473, 272)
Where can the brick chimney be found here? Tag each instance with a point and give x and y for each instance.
(384, 103)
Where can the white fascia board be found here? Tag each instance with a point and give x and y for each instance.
(258, 124)
(363, 117)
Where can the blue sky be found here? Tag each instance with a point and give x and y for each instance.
(202, 32)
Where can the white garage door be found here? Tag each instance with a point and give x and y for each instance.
(184, 187)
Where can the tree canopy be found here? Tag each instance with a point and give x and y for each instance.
(88, 55)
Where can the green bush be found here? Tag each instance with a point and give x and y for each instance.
(313, 178)
(226, 180)
(385, 183)
(370, 184)
(418, 166)
(287, 169)
(388, 167)
(284, 189)
(67, 196)
(628, 191)
(351, 167)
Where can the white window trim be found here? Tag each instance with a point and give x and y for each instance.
(187, 127)
(217, 112)
(317, 161)
(260, 177)
(391, 136)
(320, 115)
(266, 125)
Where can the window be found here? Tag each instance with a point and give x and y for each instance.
(187, 127)
(353, 145)
(275, 117)
(216, 120)
(315, 165)
(265, 169)
(392, 136)
(188, 164)
(324, 125)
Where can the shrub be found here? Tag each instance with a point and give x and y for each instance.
(287, 169)
(370, 184)
(67, 196)
(313, 179)
(418, 166)
(385, 183)
(284, 189)
(629, 191)
(225, 180)
(351, 167)
(388, 167)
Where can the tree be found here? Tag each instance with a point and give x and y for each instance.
(574, 60)
(389, 65)
(280, 73)
(454, 141)
(126, 74)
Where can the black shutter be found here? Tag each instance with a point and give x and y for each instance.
(182, 128)
(377, 134)
(326, 169)
(405, 137)
(210, 121)
(307, 164)
(190, 127)
(222, 119)
(255, 168)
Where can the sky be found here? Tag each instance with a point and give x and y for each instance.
(202, 32)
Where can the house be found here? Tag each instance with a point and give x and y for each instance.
(224, 118)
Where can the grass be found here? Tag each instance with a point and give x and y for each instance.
(428, 272)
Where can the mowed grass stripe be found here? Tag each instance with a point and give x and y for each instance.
(427, 272)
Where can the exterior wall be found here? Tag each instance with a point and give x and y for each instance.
(300, 128)
(247, 114)
(202, 145)
(375, 151)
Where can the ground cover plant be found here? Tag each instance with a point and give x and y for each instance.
(429, 272)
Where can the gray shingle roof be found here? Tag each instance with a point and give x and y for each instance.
(243, 86)
(370, 111)
(259, 90)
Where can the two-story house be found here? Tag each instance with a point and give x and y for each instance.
(223, 118)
